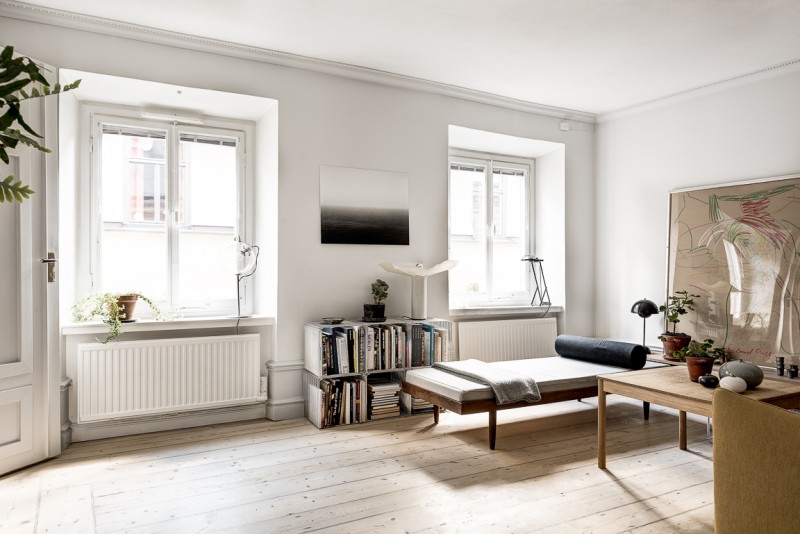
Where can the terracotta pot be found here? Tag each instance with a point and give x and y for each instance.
(674, 343)
(127, 305)
(699, 366)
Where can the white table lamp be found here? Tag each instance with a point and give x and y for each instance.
(419, 283)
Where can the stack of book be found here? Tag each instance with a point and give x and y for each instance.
(384, 398)
(341, 402)
(412, 405)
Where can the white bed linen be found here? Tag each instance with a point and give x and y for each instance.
(551, 374)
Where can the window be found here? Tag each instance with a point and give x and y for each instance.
(168, 199)
(489, 230)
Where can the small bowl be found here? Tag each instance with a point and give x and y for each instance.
(332, 320)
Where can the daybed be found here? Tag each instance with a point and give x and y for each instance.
(571, 375)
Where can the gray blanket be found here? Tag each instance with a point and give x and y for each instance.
(508, 386)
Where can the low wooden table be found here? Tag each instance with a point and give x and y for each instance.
(671, 387)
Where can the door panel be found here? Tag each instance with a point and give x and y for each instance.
(16, 412)
(26, 358)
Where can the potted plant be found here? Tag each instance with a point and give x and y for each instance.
(700, 357)
(678, 304)
(114, 309)
(376, 312)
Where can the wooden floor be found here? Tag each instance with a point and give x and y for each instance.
(397, 475)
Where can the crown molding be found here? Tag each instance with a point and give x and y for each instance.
(76, 21)
(694, 92)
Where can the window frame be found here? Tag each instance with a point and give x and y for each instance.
(93, 116)
(488, 161)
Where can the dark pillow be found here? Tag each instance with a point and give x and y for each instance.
(603, 351)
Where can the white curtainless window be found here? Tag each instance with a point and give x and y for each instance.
(167, 199)
(490, 230)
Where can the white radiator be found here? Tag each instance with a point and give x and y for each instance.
(492, 341)
(133, 378)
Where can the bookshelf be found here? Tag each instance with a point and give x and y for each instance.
(353, 369)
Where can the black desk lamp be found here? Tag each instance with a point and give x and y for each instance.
(644, 308)
(541, 291)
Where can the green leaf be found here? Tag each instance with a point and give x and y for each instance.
(7, 54)
(11, 87)
(11, 191)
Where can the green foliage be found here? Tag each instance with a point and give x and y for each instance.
(678, 304)
(105, 307)
(11, 190)
(380, 290)
(16, 74)
(703, 349)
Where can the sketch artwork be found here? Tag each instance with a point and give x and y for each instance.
(738, 246)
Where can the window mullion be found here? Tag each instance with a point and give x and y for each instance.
(489, 188)
(173, 173)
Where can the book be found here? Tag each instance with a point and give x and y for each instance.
(416, 345)
(341, 353)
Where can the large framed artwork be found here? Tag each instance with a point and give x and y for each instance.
(363, 206)
(738, 247)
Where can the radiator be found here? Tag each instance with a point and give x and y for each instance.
(134, 378)
(516, 339)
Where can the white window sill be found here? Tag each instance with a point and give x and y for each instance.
(504, 311)
(146, 325)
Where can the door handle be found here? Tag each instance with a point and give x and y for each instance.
(51, 261)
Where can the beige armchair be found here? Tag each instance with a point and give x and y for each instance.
(756, 466)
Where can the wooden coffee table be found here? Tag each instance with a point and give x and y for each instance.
(671, 387)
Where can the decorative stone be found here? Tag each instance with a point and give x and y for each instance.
(733, 383)
(750, 372)
(708, 381)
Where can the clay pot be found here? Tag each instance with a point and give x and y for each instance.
(699, 366)
(673, 343)
(127, 305)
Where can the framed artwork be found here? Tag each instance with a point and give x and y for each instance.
(363, 206)
(738, 247)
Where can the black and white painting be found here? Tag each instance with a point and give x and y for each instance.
(363, 206)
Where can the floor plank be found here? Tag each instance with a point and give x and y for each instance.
(395, 475)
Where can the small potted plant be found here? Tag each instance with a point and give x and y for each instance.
(114, 309)
(376, 312)
(700, 357)
(678, 304)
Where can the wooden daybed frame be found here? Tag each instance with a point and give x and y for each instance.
(489, 405)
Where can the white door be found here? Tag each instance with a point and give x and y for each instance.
(29, 338)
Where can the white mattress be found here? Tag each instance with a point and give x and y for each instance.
(551, 374)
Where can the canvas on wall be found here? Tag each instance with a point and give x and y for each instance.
(738, 247)
(363, 206)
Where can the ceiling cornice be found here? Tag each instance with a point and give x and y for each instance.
(747, 77)
(67, 19)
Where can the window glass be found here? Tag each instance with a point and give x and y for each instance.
(133, 233)
(208, 191)
(489, 235)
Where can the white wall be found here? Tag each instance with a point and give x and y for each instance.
(550, 210)
(328, 120)
(742, 132)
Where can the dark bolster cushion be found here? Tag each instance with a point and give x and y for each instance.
(603, 351)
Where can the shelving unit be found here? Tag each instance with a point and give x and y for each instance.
(348, 364)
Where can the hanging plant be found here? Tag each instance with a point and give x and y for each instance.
(112, 309)
(16, 75)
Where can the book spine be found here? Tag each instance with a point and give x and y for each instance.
(416, 345)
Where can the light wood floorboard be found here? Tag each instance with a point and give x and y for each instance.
(395, 475)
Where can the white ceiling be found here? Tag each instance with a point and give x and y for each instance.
(595, 56)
